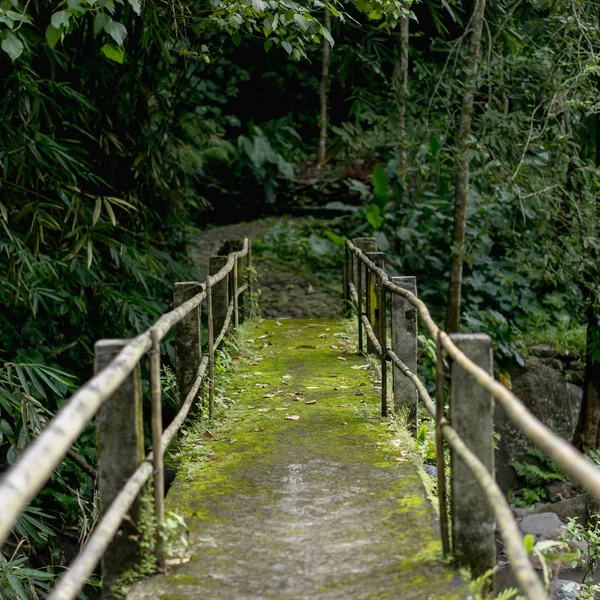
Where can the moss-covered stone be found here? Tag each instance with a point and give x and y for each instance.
(328, 506)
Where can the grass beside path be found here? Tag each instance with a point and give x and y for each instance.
(300, 490)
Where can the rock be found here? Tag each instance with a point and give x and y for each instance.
(559, 490)
(566, 590)
(430, 470)
(542, 350)
(577, 507)
(550, 398)
(540, 524)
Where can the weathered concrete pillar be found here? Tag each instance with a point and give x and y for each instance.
(404, 344)
(120, 447)
(220, 293)
(373, 298)
(188, 340)
(471, 415)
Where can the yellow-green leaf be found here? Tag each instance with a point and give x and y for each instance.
(97, 210)
(110, 211)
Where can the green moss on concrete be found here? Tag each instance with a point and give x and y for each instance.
(223, 464)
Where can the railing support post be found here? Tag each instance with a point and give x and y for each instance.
(359, 277)
(346, 276)
(188, 340)
(374, 309)
(120, 443)
(249, 269)
(404, 344)
(471, 415)
(220, 294)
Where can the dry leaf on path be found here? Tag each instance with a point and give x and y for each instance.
(342, 358)
(298, 399)
(310, 402)
(269, 396)
(401, 460)
(286, 377)
(359, 366)
(278, 323)
(282, 408)
(292, 417)
(207, 434)
(323, 335)
(259, 429)
(346, 404)
(261, 385)
(312, 387)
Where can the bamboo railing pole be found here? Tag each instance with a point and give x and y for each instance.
(158, 458)
(211, 353)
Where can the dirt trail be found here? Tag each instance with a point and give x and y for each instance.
(284, 293)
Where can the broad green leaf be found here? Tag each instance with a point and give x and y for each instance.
(99, 22)
(53, 35)
(113, 52)
(137, 7)
(117, 31)
(60, 19)
(301, 21)
(12, 45)
(287, 47)
(258, 5)
(236, 38)
(268, 45)
(374, 216)
(528, 543)
(327, 35)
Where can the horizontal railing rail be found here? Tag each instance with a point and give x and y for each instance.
(366, 284)
(116, 381)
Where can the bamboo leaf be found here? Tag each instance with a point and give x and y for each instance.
(110, 211)
(90, 253)
(97, 210)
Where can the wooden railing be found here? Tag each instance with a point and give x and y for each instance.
(113, 395)
(477, 503)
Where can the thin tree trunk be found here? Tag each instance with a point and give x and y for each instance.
(462, 170)
(587, 432)
(323, 93)
(403, 76)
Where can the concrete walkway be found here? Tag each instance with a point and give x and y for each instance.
(301, 491)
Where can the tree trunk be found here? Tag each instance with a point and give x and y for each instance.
(587, 432)
(462, 170)
(323, 93)
(403, 77)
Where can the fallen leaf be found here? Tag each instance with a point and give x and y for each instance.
(292, 417)
(232, 440)
(269, 396)
(262, 337)
(263, 409)
(278, 323)
(259, 429)
(346, 404)
(174, 562)
(396, 443)
(306, 346)
(261, 385)
(360, 366)
(312, 387)
(290, 394)
(281, 408)
(286, 377)
(310, 402)
(342, 358)
(236, 356)
(505, 379)
(298, 399)
(323, 335)
(360, 393)
(401, 460)
(207, 434)
(344, 422)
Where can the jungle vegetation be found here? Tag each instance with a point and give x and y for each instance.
(463, 134)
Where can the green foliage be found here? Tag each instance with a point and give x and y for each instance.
(537, 476)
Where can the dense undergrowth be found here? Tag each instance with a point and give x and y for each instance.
(106, 167)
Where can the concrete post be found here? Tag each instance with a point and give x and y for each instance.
(471, 415)
(220, 294)
(188, 340)
(236, 245)
(404, 344)
(120, 446)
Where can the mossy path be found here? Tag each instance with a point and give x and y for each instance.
(301, 491)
